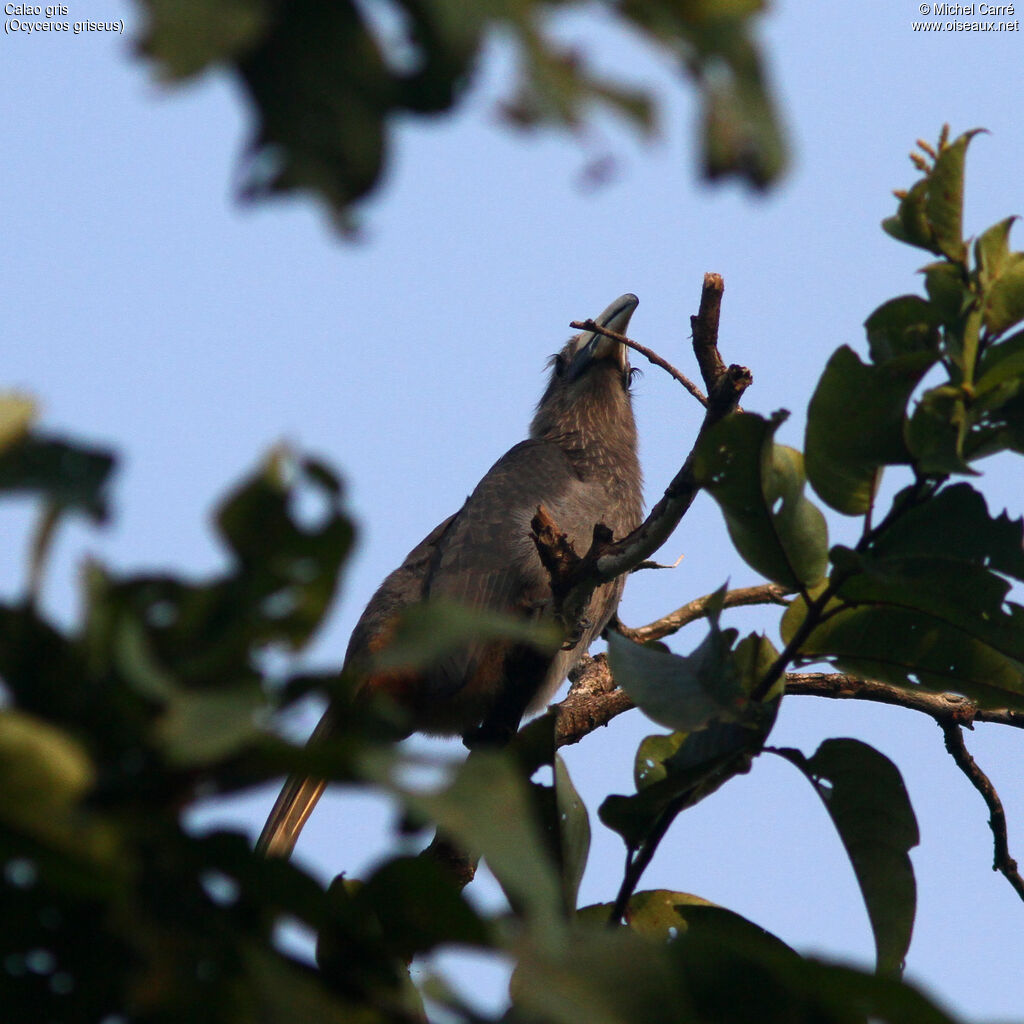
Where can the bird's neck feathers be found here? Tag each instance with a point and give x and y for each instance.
(591, 419)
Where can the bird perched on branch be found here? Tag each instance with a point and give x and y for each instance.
(579, 463)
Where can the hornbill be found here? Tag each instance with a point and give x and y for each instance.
(579, 462)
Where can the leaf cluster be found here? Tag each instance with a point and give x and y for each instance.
(163, 693)
(328, 81)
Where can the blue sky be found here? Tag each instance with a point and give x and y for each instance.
(148, 310)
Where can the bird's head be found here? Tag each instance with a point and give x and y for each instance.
(589, 384)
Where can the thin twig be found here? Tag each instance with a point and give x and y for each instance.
(648, 353)
(765, 593)
(606, 560)
(1002, 861)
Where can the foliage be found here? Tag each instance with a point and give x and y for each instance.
(161, 695)
(328, 80)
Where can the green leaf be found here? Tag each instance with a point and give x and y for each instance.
(731, 977)
(188, 38)
(511, 842)
(321, 88)
(69, 476)
(902, 326)
(926, 602)
(855, 425)
(908, 647)
(948, 291)
(937, 431)
(205, 726)
(427, 632)
(661, 915)
(675, 772)
(991, 250)
(741, 132)
(602, 976)
(863, 792)
(1001, 364)
(574, 832)
(680, 693)
(43, 770)
(1004, 301)
(944, 198)
(17, 413)
(759, 486)
(955, 523)
(930, 215)
(910, 223)
(419, 907)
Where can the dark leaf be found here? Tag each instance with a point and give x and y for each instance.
(67, 475)
(511, 842)
(187, 38)
(855, 425)
(863, 792)
(759, 486)
(663, 916)
(574, 832)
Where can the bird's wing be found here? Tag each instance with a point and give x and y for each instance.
(487, 558)
(401, 588)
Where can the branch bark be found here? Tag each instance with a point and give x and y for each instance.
(1002, 861)
(572, 584)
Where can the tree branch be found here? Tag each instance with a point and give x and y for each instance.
(647, 353)
(945, 708)
(593, 701)
(1002, 860)
(765, 593)
(573, 585)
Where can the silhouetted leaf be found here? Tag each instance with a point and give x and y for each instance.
(186, 38)
(926, 601)
(510, 841)
(601, 976)
(70, 476)
(863, 792)
(663, 916)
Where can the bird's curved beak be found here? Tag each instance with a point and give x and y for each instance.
(599, 346)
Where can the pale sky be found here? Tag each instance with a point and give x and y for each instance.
(149, 311)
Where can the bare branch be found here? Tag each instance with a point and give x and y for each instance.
(606, 560)
(765, 593)
(1002, 860)
(945, 708)
(593, 701)
(705, 330)
(648, 353)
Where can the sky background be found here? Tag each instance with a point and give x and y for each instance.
(149, 311)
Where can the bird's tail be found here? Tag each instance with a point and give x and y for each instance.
(294, 805)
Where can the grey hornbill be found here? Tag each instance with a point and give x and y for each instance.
(579, 462)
